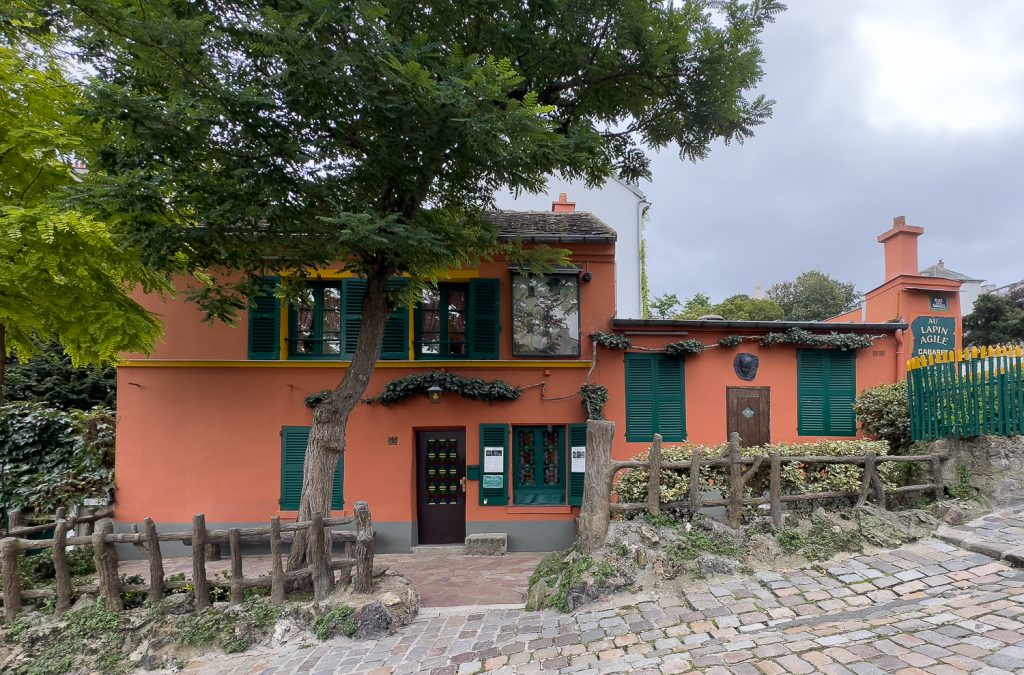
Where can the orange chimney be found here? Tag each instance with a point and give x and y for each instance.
(900, 248)
(563, 205)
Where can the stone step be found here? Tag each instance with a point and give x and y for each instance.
(440, 549)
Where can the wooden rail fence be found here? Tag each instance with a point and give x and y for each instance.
(967, 393)
(598, 507)
(85, 517)
(359, 546)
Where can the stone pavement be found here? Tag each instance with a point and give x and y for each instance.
(444, 577)
(925, 608)
(999, 535)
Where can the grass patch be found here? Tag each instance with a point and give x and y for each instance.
(560, 571)
(339, 620)
(698, 541)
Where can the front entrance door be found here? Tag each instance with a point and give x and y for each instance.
(747, 411)
(440, 485)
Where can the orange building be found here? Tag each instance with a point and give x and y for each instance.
(215, 421)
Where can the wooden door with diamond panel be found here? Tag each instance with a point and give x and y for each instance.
(748, 412)
(441, 486)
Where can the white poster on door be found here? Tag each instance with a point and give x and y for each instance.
(579, 458)
(494, 460)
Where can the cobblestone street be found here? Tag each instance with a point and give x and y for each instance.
(929, 607)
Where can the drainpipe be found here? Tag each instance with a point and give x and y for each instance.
(901, 357)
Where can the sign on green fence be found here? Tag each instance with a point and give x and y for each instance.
(933, 335)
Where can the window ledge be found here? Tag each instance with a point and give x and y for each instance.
(526, 508)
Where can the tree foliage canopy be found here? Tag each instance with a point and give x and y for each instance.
(739, 307)
(813, 296)
(49, 377)
(995, 319)
(62, 276)
(374, 132)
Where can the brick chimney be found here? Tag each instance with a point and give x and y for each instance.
(563, 205)
(900, 248)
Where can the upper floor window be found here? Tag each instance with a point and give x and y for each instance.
(443, 329)
(316, 322)
(546, 315)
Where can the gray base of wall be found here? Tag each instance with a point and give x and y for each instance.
(391, 537)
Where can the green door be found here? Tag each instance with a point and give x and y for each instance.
(538, 465)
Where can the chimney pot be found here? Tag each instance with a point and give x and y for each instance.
(563, 205)
(899, 221)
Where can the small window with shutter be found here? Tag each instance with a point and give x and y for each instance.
(826, 389)
(293, 456)
(458, 321)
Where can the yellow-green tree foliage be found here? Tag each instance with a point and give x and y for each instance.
(62, 276)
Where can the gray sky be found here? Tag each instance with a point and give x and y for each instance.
(884, 108)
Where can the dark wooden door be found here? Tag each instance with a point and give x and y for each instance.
(748, 412)
(440, 486)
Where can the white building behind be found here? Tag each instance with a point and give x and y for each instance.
(621, 206)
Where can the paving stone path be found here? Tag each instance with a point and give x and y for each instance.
(930, 607)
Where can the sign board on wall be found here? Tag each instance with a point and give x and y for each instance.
(492, 482)
(940, 303)
(494, 460)
(579, 458)
(933, 335)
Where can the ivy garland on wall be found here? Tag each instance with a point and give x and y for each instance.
(473, 388)
(799, 336)
(793, 336)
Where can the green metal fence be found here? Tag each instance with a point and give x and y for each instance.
(967, 393)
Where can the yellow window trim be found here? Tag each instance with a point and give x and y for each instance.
(302, 363)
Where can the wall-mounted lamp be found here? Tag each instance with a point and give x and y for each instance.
(434, 394)
(587, 276)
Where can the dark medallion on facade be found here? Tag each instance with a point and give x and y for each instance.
(745, 366)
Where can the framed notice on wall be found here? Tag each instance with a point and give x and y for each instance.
(578, 454)
(492, 481)
(494, 460)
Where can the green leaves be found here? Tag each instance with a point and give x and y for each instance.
(813, 296)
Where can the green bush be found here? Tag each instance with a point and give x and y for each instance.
(884, 413)
(54, 457)
(797, 478)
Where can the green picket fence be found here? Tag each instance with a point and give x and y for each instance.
(967, 393)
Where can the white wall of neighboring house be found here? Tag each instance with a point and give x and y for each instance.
(619, 205)
(969, 292)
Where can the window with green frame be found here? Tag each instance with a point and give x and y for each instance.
(326, 320)
(826, 389)
(655, 398)
(538, 465)
(458, 321)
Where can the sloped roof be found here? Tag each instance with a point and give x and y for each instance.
(547, 226)
(940, 271)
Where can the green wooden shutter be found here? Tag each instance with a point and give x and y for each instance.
(842, 390)
(484, 318)
(353, 291)
(265, 322)
(338, 486)
(810, 392)
(577, 438)
(396, 331)
(640, 383)
(293, 456)
(670, 398)
(493, 436)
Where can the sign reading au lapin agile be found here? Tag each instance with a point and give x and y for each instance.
(933, 334)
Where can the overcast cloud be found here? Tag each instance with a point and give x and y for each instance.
(885, 108)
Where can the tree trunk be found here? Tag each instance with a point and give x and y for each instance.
(327, 435)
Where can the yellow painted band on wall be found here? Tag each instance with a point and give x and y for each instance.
(295, 363)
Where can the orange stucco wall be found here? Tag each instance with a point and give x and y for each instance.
(198, 424)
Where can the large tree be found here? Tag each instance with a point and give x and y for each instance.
(995, 319)
(283, 136)
(813, 296)
(63, 277)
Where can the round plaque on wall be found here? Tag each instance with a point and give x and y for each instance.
(745, 365)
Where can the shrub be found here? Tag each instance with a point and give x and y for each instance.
(54, 457)
(797, 478)
(884, 413)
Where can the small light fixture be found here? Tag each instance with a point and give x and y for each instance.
(587, 276)
(434, 394)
